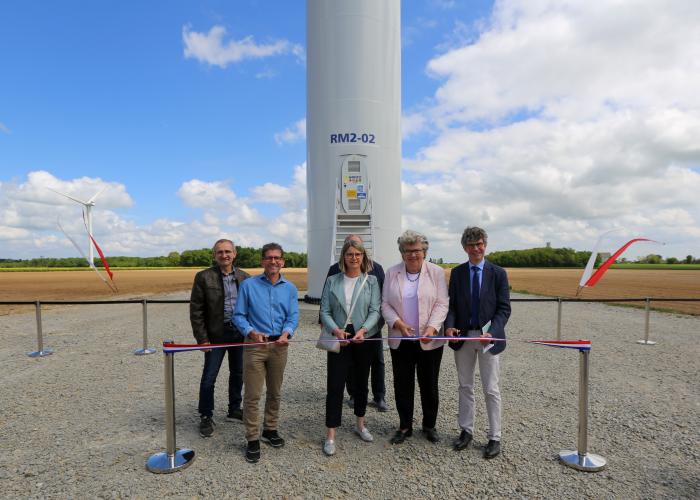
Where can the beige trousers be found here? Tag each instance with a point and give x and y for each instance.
(262, 365)
(466, 359)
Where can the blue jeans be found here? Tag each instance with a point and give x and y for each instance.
(212, 364)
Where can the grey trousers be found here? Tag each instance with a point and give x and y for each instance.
(489, 369)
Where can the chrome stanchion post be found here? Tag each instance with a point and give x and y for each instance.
(646, 340)
(145, 350)
(580, 459)
(173, 459)
(558, 318)
(40, 352)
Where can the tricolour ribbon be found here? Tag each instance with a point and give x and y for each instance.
(581, 345)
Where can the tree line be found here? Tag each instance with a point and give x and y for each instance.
(568, 257)
(250, 257)
(541, 257)
(247, 257)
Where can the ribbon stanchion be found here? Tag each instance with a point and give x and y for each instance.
(559, 318)
(580, 459)
(173, 459)
(145, 349)
(40, 351)
(646, 340)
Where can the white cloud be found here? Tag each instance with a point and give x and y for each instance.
(290, 227)
(562, 119)
(291, 197)
(295, 133)
(266, 74)
(412, 124)
(29, 214)
(211, 48)
(4, 128)
(218, 199)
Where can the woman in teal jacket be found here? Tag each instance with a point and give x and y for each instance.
(352, 284)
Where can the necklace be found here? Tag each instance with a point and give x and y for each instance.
(408, 277)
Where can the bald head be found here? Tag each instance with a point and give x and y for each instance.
(354, 237)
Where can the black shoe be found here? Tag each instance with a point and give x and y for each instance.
(462, 441)
(493, 448)
(400, 436)
(252, 452)
(381, 405)
(431, 434)
(236, 414)
(351, 402)
(272, 438)
(206, 426)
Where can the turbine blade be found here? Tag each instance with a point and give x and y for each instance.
(92, 200)
(69, 197)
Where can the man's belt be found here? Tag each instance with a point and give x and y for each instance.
(269, 339)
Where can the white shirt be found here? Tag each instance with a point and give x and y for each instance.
(410, 300)
(349, 284)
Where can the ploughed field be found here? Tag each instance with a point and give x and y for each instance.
(84, 285)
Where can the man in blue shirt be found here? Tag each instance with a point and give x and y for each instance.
(267, 313)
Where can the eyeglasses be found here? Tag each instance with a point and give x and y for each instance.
(354, 255)
(273, 257)
(478, 244)
(413, 253)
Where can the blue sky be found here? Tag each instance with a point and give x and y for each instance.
(555, 120)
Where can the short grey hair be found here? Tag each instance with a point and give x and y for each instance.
(219, 242)
(472, 234)
(410, 237)
(351, 237)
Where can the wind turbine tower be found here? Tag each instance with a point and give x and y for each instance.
(353, 140)
(88, 216)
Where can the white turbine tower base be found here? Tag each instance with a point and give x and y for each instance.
(88, 215)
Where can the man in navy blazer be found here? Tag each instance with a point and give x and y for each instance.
(479, 307)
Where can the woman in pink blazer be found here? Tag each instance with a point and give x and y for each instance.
(415, 304)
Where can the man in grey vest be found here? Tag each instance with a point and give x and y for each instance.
(213, 299)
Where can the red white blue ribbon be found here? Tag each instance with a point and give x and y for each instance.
(173, 347)
(581, 345)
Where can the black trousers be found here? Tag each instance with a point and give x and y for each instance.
(376, 372)
(407, 360)
(357, 356)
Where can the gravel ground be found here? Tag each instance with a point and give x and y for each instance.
(82, 422)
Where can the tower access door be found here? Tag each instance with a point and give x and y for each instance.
(353, 203)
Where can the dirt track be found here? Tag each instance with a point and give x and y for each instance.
(83, 285)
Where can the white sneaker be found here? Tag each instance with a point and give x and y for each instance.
(364, 434)
(329, 447)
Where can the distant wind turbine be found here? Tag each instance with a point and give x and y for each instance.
(88, 215)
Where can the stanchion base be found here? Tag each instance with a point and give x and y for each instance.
(588, 462)
(646, 342)
(163, 463)
(40, 354)
(143, 352)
